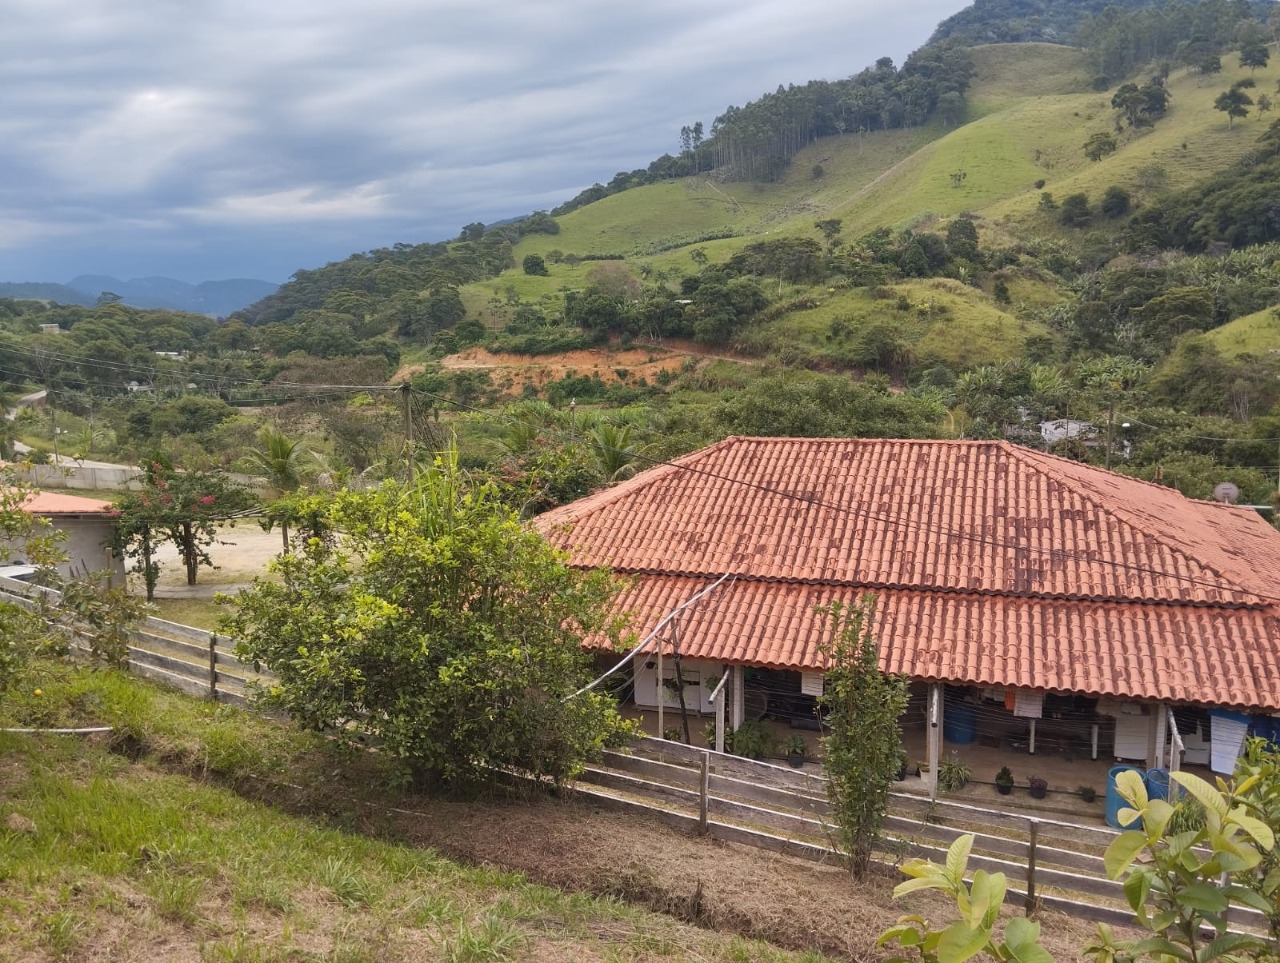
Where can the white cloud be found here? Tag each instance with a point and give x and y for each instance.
(230, 128)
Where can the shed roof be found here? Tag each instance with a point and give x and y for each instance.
(995, 564)
(53, 503)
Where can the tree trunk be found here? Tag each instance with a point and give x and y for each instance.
(189, 553)
(148, 571)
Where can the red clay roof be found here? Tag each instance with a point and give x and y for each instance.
(51, 503)
(995, 564)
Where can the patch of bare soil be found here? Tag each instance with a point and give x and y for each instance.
(574, 845)
(611, 366)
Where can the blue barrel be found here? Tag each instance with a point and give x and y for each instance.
(1115, 803)
(1157, 783)
(960, 724)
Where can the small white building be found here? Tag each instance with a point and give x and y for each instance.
(89, 525)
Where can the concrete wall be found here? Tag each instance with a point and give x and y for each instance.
(88, 546)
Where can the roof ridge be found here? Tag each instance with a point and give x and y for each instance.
(1031, 457)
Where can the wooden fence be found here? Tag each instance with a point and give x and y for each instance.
(1050, 863)
(195, 661)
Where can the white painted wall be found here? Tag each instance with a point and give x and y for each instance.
(701, 677)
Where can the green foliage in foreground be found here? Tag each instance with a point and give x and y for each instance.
(106, 858)
(1181, 878)
(438, 624)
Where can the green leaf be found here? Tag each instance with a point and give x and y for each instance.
(958, 858)
(1136, 889)
(1156, 945)
(1020, 931)
(923, 882)
(1132, 789)
(1248, 896)
(1205, 794)
(1256, 828)
(1121, 852)
(1230, 943)
(1202, 896)
(960, 942)
(979, 898)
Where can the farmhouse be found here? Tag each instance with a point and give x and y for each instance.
(1036, 603)
(88, 525)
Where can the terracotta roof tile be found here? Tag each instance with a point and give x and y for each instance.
(974, 516)
(995, 564)
(1212, 656)
(53, 503)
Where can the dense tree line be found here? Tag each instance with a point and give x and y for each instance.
(1120, 40)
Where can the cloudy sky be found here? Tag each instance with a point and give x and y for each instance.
(230, 138)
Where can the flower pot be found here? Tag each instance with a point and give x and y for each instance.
(1037, 792)
(902, 772)
(796, 759)
(1004, 788)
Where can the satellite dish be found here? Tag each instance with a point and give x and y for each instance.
(1226, 492)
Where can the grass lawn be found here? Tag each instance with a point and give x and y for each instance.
(116, 855)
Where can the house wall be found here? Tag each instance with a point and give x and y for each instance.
(700, 679)
(87, 547)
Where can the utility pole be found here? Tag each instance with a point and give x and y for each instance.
(407, 398)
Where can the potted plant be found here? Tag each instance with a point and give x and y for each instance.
(953, 774)
(1037, 787)
(795, 750)
(902, 765)
(1087, 793)
(1004, 781)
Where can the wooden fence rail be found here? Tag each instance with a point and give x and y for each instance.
(195, 661)
(1052, 863)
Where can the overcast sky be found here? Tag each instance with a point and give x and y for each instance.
(230, 138)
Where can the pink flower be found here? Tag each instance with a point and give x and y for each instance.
(206, 499)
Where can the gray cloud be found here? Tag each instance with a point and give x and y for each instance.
(231, 138)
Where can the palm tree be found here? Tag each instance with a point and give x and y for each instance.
(611, 445)
(280, 461)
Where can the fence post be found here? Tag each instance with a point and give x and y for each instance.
(1034, 830)
(213, 667)
(703, 791)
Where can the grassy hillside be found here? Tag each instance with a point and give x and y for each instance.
(1257, 334)
(200, 832)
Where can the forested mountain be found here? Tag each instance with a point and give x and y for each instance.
(982, 239)
(1047, 21)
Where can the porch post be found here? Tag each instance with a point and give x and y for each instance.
(934, 736)
(739, 705)
(661, 694)
(1159, 733)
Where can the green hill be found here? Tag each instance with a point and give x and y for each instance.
(1256, 334)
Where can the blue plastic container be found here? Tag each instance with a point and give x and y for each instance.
(960, 723)
(1115, 803)
(1157, 783)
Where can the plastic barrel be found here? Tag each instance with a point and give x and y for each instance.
(960, 723)
(1157, 783)
(1115, 803)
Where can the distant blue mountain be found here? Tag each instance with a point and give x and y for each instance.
(218, 298)
(43, 291)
